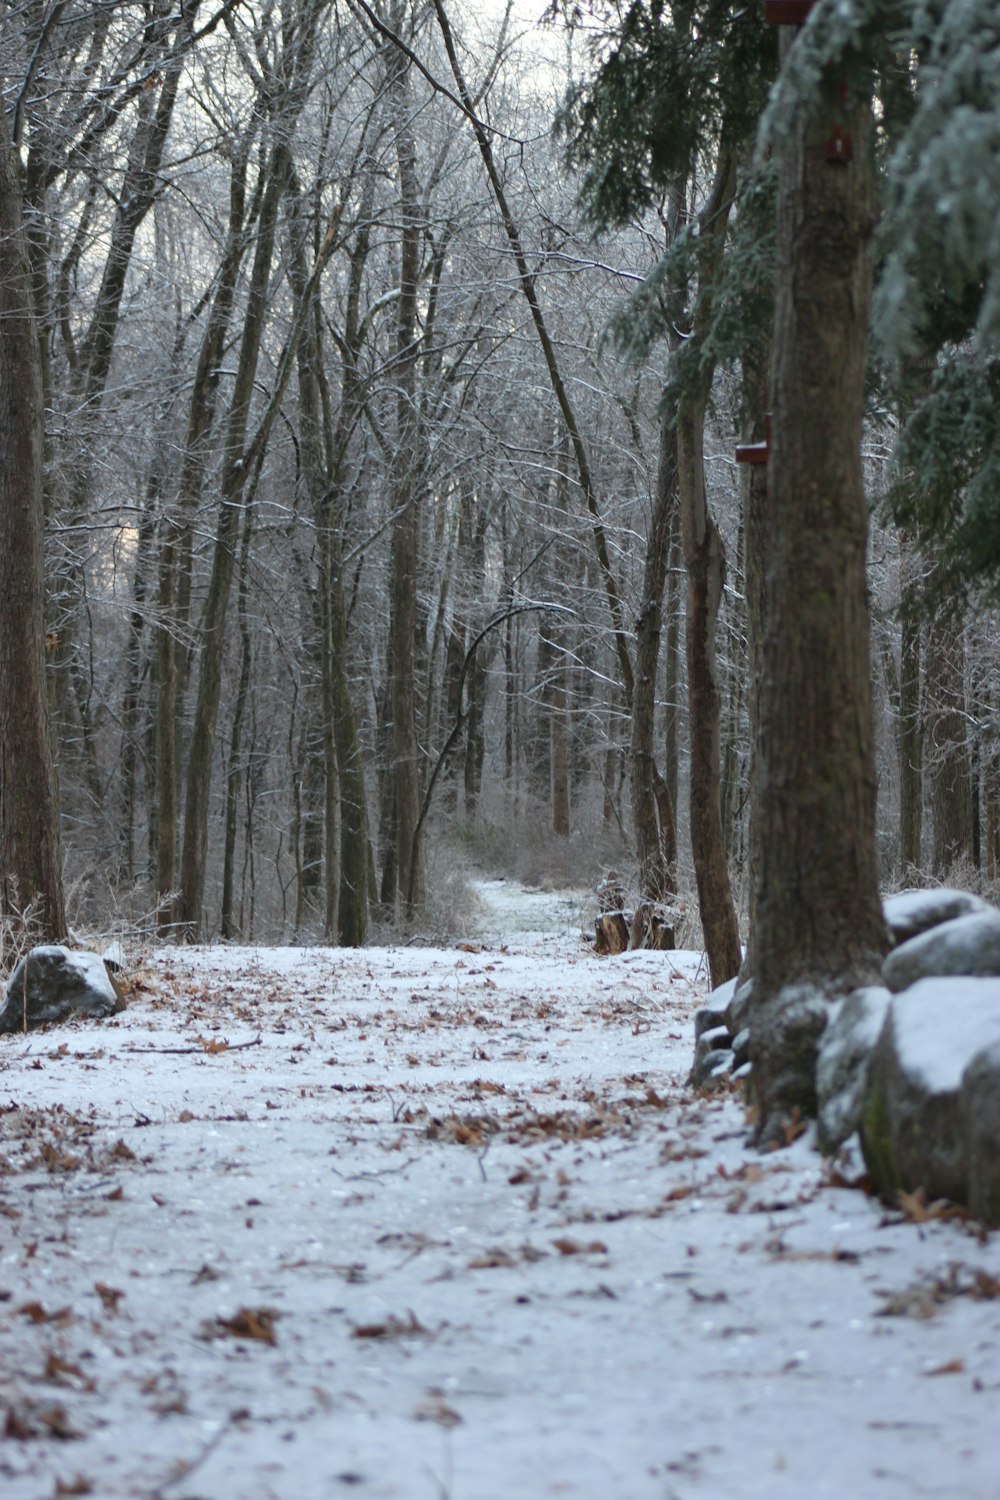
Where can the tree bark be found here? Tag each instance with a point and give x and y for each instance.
(910, 735)
(175, 544)
(819, 923)
(655, 837)
(704, 561)
(30, 861)
(754, 484)
(947, 745)
(199, 771)
(404, 501)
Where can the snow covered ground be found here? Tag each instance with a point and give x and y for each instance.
(445, 1223)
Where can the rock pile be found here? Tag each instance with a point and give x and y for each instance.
(912, 1065)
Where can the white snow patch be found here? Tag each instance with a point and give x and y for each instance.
(940, 1024)
(503, 1252)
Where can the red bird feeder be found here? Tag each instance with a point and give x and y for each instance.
(755, 453)
(787, 12)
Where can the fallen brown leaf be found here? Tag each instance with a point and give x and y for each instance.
(392, 1328)
(953, 1367)
(566, 1245)
(57, 1422)
(37, 1313)
(62, 1372)
(255, 1323)
(916, 1208)
(490, 1259)
(109, 1295)
(17, 1427)
(77, 1486)
(436, 1409)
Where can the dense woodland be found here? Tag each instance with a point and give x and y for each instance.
(394, 360)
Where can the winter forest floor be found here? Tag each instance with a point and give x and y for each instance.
(445, 1223)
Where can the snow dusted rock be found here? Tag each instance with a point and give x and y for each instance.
(741, 1048)
(913, 912)
(52, 983)
(842, 1065)
(738, 1013)
(966, 945)
(713, 1054)
(981, 1111)
(930, 1116)
(713, 1013)
(721, 1035)
(717, 1068)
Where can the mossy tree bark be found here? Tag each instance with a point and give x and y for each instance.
(819, 923)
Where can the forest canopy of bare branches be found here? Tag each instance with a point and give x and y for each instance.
(367, 542)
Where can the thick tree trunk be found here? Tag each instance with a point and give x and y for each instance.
(819, 922)
(754, 497)
(30, 861)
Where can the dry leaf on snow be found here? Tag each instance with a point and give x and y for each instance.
(249, 1323)
(393, 1328)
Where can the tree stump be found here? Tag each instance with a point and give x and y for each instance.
(611, 933)
(650, 928)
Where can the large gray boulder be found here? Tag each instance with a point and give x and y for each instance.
(52, 983)
(913, 912)
(843, 1062)
(712, 1013)
(967, 945)
(929, 1117)
(738, 1010)
(980, 1093)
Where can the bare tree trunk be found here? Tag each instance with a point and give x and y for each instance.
(819, 922)
(947, 745)
(656, 837)
(404, 546)
(175, 544)
(704, 560)
(706, 569)
(559, 742)
(673, 684)
(754, 483)
(235, 765)
(910, 736)
(199, 771)
(30, 861)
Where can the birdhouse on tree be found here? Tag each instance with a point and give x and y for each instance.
(755, 453)
(787, 12)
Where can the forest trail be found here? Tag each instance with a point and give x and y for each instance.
(445, 1223)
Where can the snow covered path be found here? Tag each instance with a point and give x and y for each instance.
(444, 1223)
